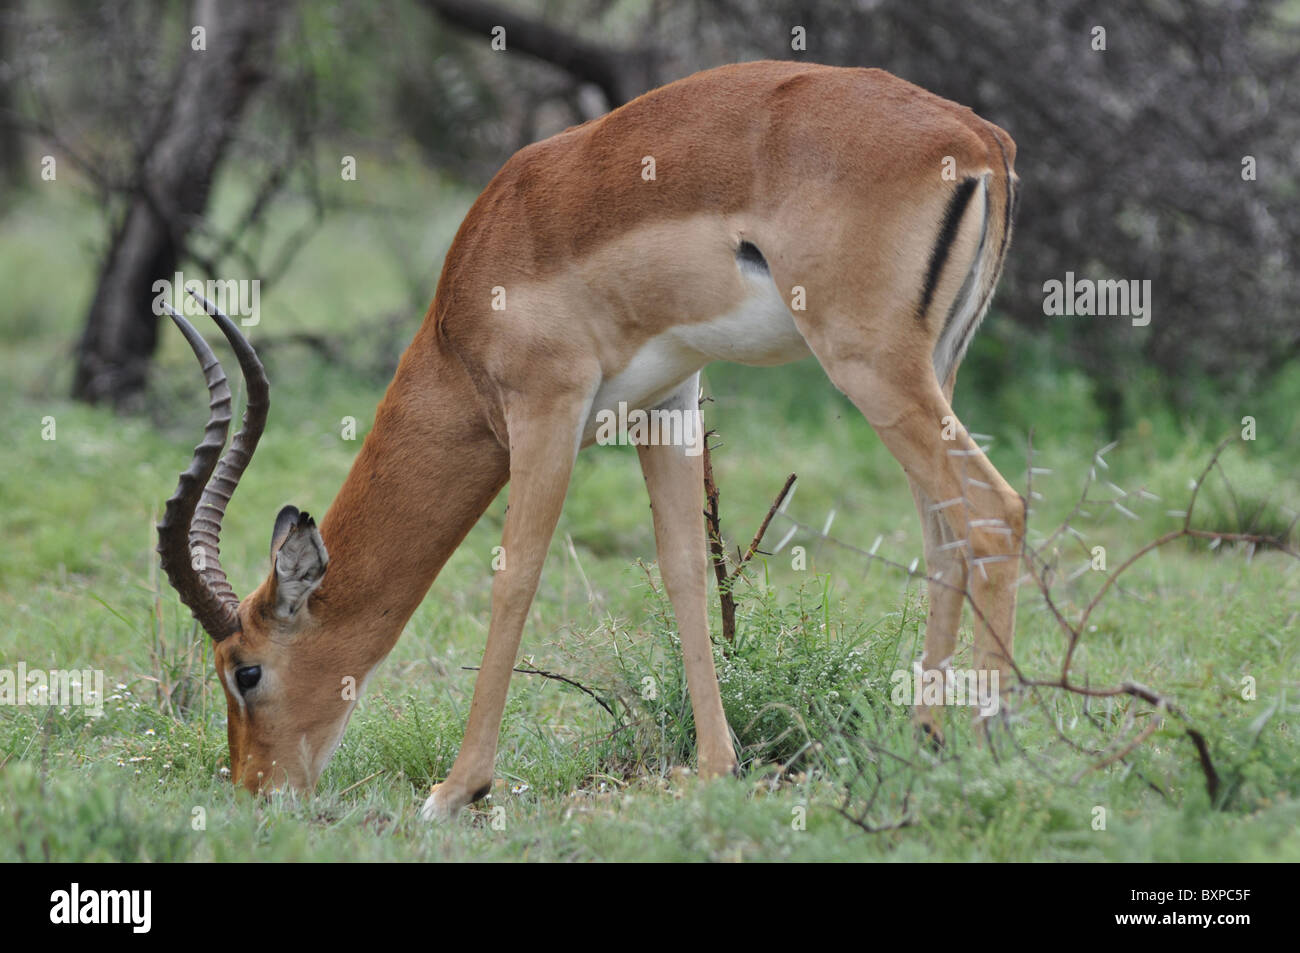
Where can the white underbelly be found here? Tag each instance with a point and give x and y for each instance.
(760, 332)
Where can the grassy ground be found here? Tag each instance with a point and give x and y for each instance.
(806, 689)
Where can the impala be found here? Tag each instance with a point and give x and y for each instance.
(791, 209)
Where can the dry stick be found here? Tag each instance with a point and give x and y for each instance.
(762, 528)
(352, 787)
(1207, 766)
(1142, 736)
(718, 555)
(860, 819)
(713, 519)
(648, 577)
(555, 676)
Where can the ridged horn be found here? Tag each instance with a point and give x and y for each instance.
(190, 531)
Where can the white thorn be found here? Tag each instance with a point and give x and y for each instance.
(830, 518)
(1127, 512)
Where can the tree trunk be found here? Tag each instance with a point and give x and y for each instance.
(172, 184)
(11, 146)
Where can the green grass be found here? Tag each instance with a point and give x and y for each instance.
(806, 688)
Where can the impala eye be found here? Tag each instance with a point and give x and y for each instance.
(248, 677)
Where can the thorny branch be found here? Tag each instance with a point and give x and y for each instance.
(1041, 572)
(717, 552)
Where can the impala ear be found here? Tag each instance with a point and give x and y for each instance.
(298, 560)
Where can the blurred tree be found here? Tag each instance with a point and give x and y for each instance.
(173, 176)
(11, 151)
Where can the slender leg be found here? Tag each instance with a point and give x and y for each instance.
(905, 405)
(675, 480)
(944, 561)
(543, 445)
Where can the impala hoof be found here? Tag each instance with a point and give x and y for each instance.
(439, 806)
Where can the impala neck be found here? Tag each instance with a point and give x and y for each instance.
(428, 469)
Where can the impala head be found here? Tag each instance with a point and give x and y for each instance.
(284, 691)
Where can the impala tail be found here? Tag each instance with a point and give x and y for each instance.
(990, 202)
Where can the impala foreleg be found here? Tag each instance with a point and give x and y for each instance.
(543, 445)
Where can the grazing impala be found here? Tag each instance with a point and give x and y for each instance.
(788, 209)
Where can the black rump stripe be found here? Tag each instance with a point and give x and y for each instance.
(947, 235)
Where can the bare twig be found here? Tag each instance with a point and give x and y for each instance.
(713, 517)
(555, 676)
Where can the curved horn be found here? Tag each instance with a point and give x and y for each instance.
(191, 523)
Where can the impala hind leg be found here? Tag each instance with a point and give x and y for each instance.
(674, 477)
(904, 404)
(543, 446)
(945, 565)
